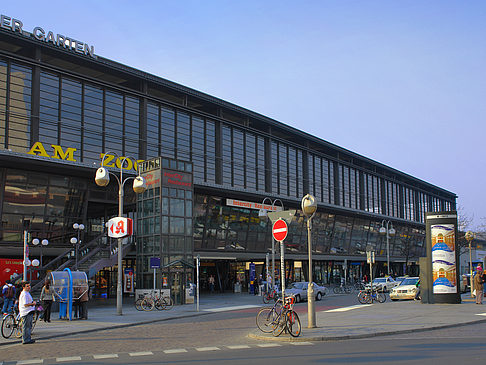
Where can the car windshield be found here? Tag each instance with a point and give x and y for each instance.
(379, 280)
(295, 286)
(410, 281)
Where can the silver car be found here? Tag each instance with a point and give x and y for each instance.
(299, 290)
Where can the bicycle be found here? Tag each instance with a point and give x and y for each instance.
(279, 318)
(13, 323)
(271, 295)
(150, 301)
(368, 296)
(343, 289)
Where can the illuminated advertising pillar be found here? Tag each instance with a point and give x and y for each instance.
(443, 257)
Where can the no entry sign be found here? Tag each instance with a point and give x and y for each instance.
(280, 230)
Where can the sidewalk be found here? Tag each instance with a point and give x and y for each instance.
(101, 317)
(370, 320)
(356, 321)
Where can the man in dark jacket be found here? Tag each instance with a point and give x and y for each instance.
(8, 292)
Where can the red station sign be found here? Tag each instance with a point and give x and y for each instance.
(280, 230)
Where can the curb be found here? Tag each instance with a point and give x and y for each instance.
(125, 325)
(353, 337)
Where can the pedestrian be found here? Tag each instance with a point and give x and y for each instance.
(478, 285)
(8, 292)
(47, 297)
(26, 309)
(211, 284)
(83, 303)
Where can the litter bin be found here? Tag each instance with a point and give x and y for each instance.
(237, 288)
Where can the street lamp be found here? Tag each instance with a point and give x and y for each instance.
(263, 213)
(102, 178)
(389, 231)
(309, 207)
(76, 241)
(35, 242)
(469, 237)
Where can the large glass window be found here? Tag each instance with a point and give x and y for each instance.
(71, 130)
(93, 123)
(49, 108)
(197, 151)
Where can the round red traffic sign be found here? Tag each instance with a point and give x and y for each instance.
(280, 230)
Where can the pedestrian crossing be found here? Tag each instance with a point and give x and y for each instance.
(64, 360)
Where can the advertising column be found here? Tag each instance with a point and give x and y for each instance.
(443, 253)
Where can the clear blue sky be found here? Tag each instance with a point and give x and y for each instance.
(401, 82)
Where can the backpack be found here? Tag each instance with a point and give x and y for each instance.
(10, 292)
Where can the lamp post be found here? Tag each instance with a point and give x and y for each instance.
(389, 231)
(35, 242)
(263, 213)
(75, 241)
(102, 178)
(469, 237)
(309, 207)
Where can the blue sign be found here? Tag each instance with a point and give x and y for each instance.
(155, 262)
(252, 278)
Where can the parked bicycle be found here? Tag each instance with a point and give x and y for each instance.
(151, 301)
(12, 323)
(368, 296)
(343, 289)
(270, 295)
(279, 318)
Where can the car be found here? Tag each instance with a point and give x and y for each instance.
(406, 290)
(299, 290)
(383, 284)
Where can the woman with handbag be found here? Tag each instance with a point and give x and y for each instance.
(47, 297)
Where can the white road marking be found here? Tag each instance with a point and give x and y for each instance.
(481, 314)
(72, 358)
(175, 351)
(33, 361)
(105, 356)
(345, 309)
(207, 348)
(301, 343)
(237, 347)
(143, 353)
(223, 309)
(269, 345)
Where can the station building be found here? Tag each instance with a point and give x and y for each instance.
(63, 108)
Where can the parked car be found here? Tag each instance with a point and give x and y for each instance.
(299, 290)
(406, 290)
(399, 279)
(383, 284)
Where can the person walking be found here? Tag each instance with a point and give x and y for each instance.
(26, 309)
(8, 292)
(47, 297)
(478, 285)
(211, 284)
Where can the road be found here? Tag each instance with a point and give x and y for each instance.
(221, 338)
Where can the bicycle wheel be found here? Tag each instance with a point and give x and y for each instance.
(160, 304)
(381, 297)
(293, 324)
(147, 304)
(266, 298)
(8, 325)
(265, 319)
(35, 317)
(279, 324)
(18, 328)
(169, 303)
(363, 297)
(138, 304)
(337, 290)
(348, 289)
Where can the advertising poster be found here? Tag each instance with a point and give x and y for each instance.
(129, 281)
(443, 258)
(11, 269)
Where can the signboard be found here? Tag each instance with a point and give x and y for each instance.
(119, 227)
(280, 230)
(176, 179)
(11, 269)
(155, 262)
(252, 205)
